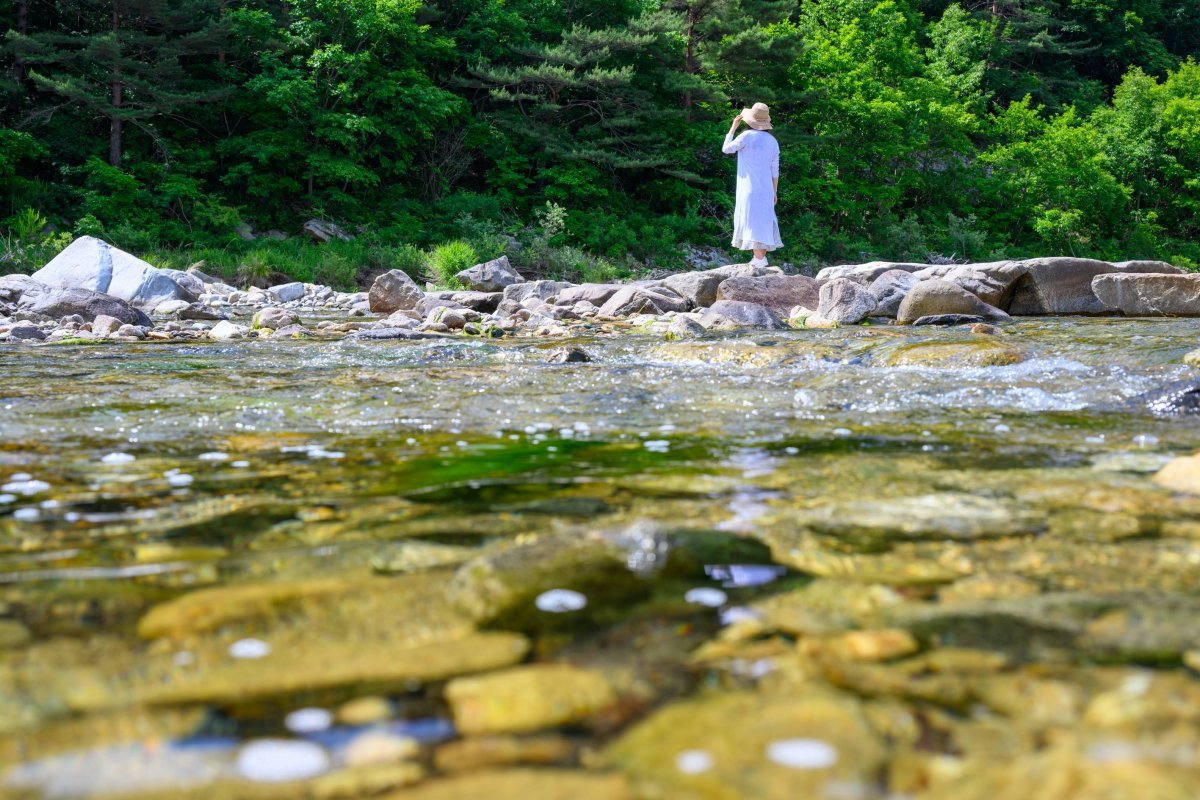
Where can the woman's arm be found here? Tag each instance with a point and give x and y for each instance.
(775, 174)
(732, 145)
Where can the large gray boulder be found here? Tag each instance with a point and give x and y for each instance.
(57, 303)
(490, 276)
(483, 302)
(866, 273)
(700, 288)
(595, 293)
(13, 286)
(394, 291)
(844, 301)
(1149, 294)
(890, 289)
(188, 280)
(992, 282)
(741, 314)
(642, 300)
(936, 297)
(781, 293)
(543, 290)
(95, 265)
(1064, 285)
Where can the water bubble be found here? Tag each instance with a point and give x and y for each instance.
(279, 760)
(657, 445)
(249, 648)
(1095, 439)
(1145, 440)
(705, 596)
(24, 484)
(308, 720)
(842, 431)
(213, 456)
(791, 451)
(744, 574)
(20, 476)
(558, 601)
(118, 458)
(180, 479)
(1001, 429)
(693, 762)
(26, 514)
(738, 614)
(240, 464)
(802, 753)
(7, 498)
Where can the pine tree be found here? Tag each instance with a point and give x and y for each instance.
(125, 60)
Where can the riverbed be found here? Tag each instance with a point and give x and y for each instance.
(752, 564)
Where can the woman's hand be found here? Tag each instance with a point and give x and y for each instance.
(736, 121)
(776, 199)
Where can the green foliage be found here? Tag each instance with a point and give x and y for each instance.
(590, 132)
(26, 245)
(449, 259)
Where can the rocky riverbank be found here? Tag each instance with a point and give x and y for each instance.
(94, 292)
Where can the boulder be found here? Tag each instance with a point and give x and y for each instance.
(483, 302)
(189, 281)
(1149, 294)
(543, 290)
(95, 265)
(741, 314)
(993, 283)
(490, 276)
(949, 320)
(866, 273)
(777, 292)
(394, 291)
(287, 292)
(26, 331)
(104, 325)
(225, 331)
(171, 307)
(642, 300)
(700, 288)
(58, 303)
(1064, 285)
(322, 231)
(12, 287)
(274, 318)
(595, 293)
(889, 290)
(935, 297)
(845, 302)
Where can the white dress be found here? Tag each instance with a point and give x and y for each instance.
(754, 224)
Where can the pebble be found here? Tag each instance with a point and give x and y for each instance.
(212, 457)
(23, 484)
(705, 596)
(7, 498)
(694, 762)
(1145, 440)
(364, 710)
(118, 458)
(280, 760)
(380, 747)
(802, 753)
(738, 614)
(181, 479)
(558, 601)
(26, 514)
(249, 648)
(308, 720)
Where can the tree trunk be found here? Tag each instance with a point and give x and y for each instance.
(689, 65)
(114, 120)
(22, 27)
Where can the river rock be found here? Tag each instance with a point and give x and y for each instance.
(1174, 399)
(394, 291)
(274, 318)
(96, 266)
(543, 290)
(226, 331)
(1064, 285)
(845, 302)
(58, 303)
(1150, 294)
(595, 293)
(523, 784)
(890, 289)
(26, 331)
(482, 752)
(323, 231)
(866, 274)
(934, 297)
(13, 286)
(951, 355)
(105, 326)
(632, 300)
(947, 320)
(483, 302)
(390, 333)
(1181, 474)
(287, 292)
(528, 698)
(490, 276)
(189, 281)
(740, 314)
(171, 307)
(779, 293)
(993, 283)
(700, 288)
(684, 327)
(734, 745)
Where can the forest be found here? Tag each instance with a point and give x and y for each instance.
(583, 136)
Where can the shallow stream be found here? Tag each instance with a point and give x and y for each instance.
(918, 581)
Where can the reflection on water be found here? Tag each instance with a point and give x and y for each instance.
(221, 564)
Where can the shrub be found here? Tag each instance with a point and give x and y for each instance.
(451, 258)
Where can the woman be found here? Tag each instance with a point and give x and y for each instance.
(754, 224)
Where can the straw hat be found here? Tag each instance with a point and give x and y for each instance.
(757, 116)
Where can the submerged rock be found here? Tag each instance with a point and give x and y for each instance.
(1174, 399)
(1181, 475)
(771, 746)
(484, 752)
(529, 698)
(524, 784)
(984, 353)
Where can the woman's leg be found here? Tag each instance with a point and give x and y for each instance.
(760, 254)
